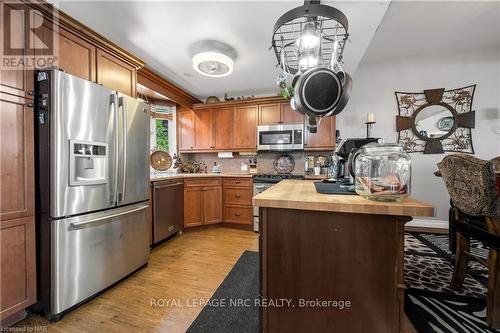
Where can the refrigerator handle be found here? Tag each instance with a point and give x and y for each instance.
(113, 105)
(121, 104)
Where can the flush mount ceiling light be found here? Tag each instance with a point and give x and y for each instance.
(213, 64)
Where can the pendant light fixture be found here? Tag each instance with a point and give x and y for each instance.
(309, 42)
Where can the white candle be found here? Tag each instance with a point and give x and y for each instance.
(370, 117)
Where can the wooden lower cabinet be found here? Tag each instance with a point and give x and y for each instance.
(237, 202)
(238, 214)
(193, 206)
(218, 199)
(18, 280)
(212, 205)
(202, 201)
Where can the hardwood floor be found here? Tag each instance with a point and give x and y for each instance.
(186, 268)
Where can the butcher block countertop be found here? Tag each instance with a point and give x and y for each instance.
(160, 177)
(302, 195)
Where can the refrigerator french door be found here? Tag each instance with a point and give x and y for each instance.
(91, 189)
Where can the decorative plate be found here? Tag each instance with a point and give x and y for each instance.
(445, 124)
(284, 163)
(160, 160)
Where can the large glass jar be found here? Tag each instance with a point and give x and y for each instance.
(383, 172)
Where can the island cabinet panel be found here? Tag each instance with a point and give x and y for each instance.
(324, 138)
(290, 116)
(186, 129)
(19, 80)
(270, 114)
(203, 130)
(331, 256)
(17, 264)
(245, 127)
(115, 73)
(224, 128)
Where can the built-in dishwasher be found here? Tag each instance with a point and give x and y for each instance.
(168, 208)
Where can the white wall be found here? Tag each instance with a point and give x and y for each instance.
(376, 81)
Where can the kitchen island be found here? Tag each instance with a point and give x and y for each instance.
(336, 260)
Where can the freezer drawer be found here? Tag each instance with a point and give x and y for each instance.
(91, 252)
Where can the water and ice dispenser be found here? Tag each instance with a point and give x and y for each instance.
(88, 162)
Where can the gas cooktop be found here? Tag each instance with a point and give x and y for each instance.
(274, 178)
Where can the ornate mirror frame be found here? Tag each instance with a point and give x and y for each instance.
(459, 136)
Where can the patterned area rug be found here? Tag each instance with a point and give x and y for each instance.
(429, 302)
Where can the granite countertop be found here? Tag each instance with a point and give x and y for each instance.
(159, 177)
(301, 194)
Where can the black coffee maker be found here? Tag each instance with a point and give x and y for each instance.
(345, 148)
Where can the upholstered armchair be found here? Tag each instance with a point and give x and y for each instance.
(471, 184)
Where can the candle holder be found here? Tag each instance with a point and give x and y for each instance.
(369, 128)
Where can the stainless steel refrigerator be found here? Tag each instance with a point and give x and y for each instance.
(92, 181)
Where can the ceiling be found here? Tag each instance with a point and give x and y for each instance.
(418, 27)
(163, 33)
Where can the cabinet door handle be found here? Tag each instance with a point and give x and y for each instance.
(30, 105)
(237, 214)
(30, 92)
(237, 195)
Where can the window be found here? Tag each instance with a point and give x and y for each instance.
(163, 129)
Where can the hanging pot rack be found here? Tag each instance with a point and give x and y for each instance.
(331, 24)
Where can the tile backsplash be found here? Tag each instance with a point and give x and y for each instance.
(265, 161)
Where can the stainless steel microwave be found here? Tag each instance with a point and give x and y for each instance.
(280, 137)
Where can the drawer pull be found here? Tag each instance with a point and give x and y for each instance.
(30, 105)
(30, 92)
(237, 181)
(237, 214)
(237, 195)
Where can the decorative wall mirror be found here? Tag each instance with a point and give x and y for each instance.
(436, 120)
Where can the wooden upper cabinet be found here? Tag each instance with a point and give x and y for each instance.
(18, 81)
(203, 129)
(16, 157)
(186, 129)
(116, 74)
(289, 116)
(276, 114)
(77, 56)
(269, 114)
(224, 128)
(212, 205)
(245, 127)
(324, 138)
